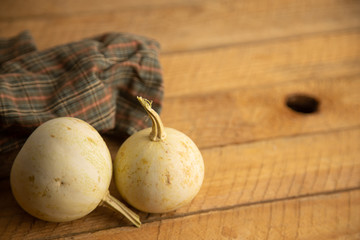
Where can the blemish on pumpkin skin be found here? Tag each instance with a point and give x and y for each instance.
(31, 179)
(123, 168)
(91, 140)
(182, 154)
(45, 193)
(196, 178)
(187, 171)
(59, 182)
(53, 136)
(167, 178)
(68, 128)
(184, 145)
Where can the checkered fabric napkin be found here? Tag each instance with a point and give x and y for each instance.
(95, 79)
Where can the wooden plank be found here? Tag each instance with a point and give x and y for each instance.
(195, 26)
(334, 216)
(281, 168)
(15, 9)
(234, 175)
(270, 173)
(250, 114)
(329, 55)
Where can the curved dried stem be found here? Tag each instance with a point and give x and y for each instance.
(113, 203)
(157, 132)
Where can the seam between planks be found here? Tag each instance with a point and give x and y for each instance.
(352, 77)
(334, 130)
(145, 7)
(266, 40)
(303, 196)
(318, 194)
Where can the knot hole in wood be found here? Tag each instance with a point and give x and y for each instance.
(302, 103)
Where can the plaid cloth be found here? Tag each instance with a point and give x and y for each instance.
(95, 79)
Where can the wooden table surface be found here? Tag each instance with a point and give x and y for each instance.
(229, 67)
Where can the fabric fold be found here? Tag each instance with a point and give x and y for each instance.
(96, 79)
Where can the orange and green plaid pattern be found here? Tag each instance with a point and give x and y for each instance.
(96, 79)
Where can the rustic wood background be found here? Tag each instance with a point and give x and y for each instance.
(228, 66)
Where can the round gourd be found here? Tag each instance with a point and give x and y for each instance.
(158, 169)
(63, 172)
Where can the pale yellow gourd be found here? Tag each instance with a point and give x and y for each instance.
(63, 172)
(158, 169)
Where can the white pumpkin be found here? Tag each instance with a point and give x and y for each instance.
(63, 171)
(158, 169)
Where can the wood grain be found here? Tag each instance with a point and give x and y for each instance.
(271, 173)
(281, 168)
(255, 113)
(249, 65)
(334, 216)
(235, 175)
(182, 26)
(15, 9)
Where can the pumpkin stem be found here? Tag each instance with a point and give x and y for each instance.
(113, 203)
(157, 132)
